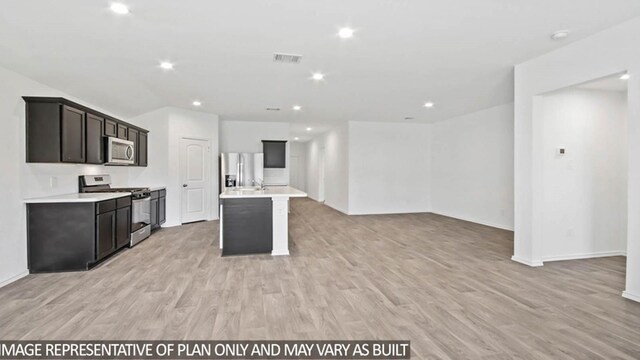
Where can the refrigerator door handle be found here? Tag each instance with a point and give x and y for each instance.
(239, 178)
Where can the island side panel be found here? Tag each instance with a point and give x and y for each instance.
(247, 226)
(280, 226)
(60, 236)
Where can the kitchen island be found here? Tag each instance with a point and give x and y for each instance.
(255, 221)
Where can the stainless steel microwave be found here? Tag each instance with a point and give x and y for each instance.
(120, 152)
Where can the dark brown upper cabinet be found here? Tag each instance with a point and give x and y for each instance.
(110, 128)
(133, 137)
(62, 131)
(95, 139)
(73, 135)
(122, 132)
(275, 153)
(143, 144)
(43, 132)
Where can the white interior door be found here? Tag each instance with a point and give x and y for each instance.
(321, 176)
(194, 174)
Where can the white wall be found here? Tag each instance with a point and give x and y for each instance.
(585, 190)
(314, 147)
(612, 51)
(337, 161)
(388, 168)
(334, 143)
(247, 136)
(299, 153)
(167, 126)
(472, 167)
(461, 167)
(20, 180)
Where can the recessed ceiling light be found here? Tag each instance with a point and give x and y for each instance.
(119, 8)
(309, 129)
(196, 103)
(560, 34)
(317, 76)
(625, 77)
(166, 65)
(345, 33)
(429, 104)
(296, 138)
(297, 107)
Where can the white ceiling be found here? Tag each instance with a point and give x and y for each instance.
(457, 53)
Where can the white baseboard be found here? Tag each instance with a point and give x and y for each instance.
(526, 262)
(475, 221)
(391, 212)
(170, 225)
(584, 255)
(279, 253)
(335, 208)
(14, 278)
(630, 296)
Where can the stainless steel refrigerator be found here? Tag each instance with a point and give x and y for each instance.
(241, 170)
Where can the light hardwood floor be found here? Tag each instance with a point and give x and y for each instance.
(447, 285)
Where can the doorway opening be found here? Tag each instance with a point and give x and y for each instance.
(584, 170)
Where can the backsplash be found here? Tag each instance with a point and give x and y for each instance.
(276, 176)
(56, 179)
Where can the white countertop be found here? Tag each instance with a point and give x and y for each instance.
(77, 198)
(156, 188)
(268, 192)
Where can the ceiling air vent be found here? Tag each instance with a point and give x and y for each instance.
(287, 58)
(273, 109)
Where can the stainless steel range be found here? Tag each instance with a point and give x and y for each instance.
(140, 203)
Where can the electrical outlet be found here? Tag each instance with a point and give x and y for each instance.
(570, 232)
(53, 182)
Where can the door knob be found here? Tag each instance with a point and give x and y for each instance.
(184, 185)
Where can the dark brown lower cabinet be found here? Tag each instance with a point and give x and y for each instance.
(106, 233)
(154, 214)
(247, 226)
(162, 210)
(158, 208)
(123, 226)
(75, 236)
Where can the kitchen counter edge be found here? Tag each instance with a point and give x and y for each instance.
(77, 198)
(276, 192)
